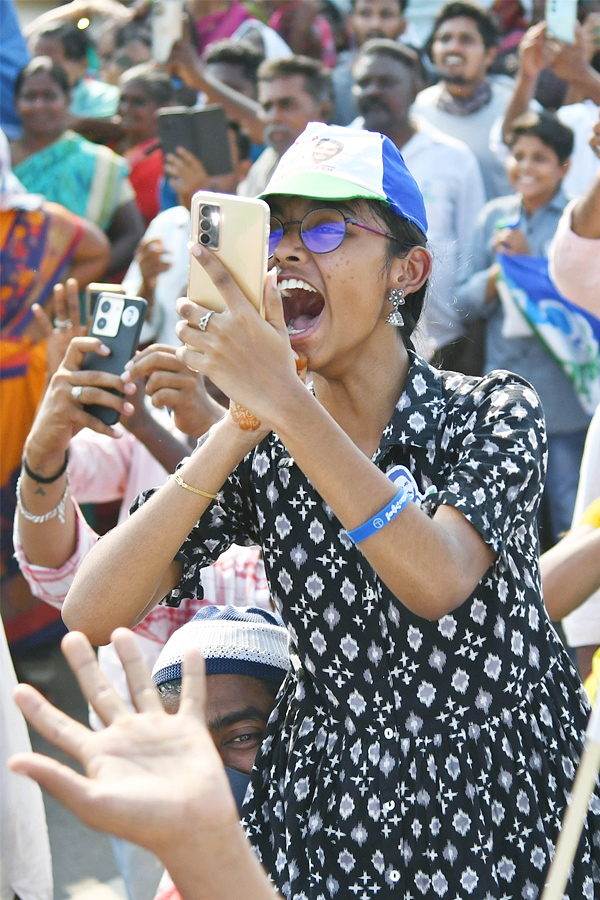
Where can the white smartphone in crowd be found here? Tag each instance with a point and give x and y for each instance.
(166, 22)
(236, 229)
(561, 18)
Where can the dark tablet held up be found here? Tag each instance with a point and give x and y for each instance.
(204, 132)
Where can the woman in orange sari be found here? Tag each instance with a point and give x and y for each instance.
(40, 244)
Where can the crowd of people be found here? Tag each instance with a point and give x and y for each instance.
(368, 509)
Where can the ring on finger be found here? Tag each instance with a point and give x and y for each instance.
(76, 392)
(63, 324)
(203, 323)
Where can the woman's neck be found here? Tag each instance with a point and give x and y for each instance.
(362, 400)
(129, 141)
(33, 143)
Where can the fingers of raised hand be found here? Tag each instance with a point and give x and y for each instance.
(72, 302)
(54, 725)
(68, 786)
(141, 687)
(193, 686)
(43, 323)
(94, 685)
(65, 300)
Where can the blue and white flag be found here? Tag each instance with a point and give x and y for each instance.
(569, 334)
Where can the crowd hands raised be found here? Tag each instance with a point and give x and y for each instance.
(135, 786)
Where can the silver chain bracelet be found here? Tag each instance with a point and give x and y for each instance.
(59, 509)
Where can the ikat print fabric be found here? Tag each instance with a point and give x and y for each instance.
(409, 758)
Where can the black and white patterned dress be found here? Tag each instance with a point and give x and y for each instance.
(413, 758)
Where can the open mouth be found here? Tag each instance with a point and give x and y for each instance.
(302, 304)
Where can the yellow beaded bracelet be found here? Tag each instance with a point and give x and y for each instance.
(194, 490)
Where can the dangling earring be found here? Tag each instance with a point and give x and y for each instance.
(396, 298)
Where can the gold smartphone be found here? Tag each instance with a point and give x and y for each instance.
(236, 229)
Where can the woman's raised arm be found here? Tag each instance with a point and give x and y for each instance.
(132, 567)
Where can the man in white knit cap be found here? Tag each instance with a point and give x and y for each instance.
(247, 657)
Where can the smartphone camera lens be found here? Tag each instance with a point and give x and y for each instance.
(100, 324)
(105, 306)
(205, 225)
(205, 239)
(206, 211)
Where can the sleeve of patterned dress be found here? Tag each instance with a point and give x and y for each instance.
(494, 463)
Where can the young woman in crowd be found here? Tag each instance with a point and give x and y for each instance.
(88, 179)
(144, 89)
(429, 740)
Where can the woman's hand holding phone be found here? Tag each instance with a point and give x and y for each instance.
(61, 414)
(247, 356)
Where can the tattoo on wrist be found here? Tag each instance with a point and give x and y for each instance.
(243, 418)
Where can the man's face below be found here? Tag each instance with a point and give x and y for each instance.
(286, 110)
(377, 19)
(237, 711)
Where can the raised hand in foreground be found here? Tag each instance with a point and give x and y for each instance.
(150, 778)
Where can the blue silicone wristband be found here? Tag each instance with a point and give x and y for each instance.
(380, 519)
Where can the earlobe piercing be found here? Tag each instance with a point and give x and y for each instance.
(396, 298)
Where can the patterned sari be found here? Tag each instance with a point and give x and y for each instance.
(86, 178)
(33, 257)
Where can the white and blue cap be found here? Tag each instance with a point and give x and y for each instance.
(233, 640)
(331, 162)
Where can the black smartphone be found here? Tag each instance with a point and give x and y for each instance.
(117, 321)
(204, 132)
(93, 291)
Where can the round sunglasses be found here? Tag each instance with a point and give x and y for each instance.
(321, 230)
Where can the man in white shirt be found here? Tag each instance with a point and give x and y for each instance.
(466, 103)
(387, 77)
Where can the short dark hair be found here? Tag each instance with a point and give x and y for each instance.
(486, 22)
(407, 235)
(317, 78)
(548, 128)
(156, 82)
(133, 31)
(75, 41)
(236, 53)
(401, 3)
(401, 53)
(44, 65)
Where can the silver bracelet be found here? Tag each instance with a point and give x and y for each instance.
(58, 510)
